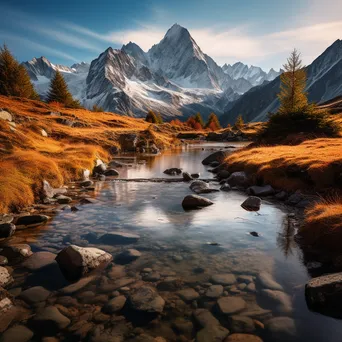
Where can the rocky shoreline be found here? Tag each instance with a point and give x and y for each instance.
(106, 287)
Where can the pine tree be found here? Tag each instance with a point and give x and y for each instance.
(59, 92)
(14, 79)
(213, 122)
(159, 118)
(239, 122)
(198, 118)
(151, 117)
(292, 96)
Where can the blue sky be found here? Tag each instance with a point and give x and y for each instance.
(255, 32)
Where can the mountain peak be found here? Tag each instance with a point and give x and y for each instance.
(176, 31)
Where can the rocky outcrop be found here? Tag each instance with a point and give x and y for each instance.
(75, 261)
(195, 202)
(217, 156)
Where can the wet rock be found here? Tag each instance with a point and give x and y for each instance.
(260, 191)
(3, 260)
(294, 198)
(217, 156)
(16, 253)
(6, 230)
(146, 299)
(214, 164)
(281, 329)
(100, 168)
(265, 280)
(322, 294)
(251, 288)
(241, 286)
(17, 333)
(188, 295)
(114, 163)
(278, 301)
(201, 187)
(49, 321)
(281, 196)
(224, 174)
(5, 277)
(231, 305)
(80, 329)
(255, 234)
(34, 295)
(245, 279)
(186, 176)
(241, 324)
(61, 199)
(243, 338)
(119, 238)
(195, 175)
(115, 304)
(224, 279)
(30, 221)
(177, 258)
(205, 318)
(127, 256)
(152, 277)
(111, 172)
(75, 261)
(214, 291)
(169, 284)
(252, 203)
(212, 334)
(80, 284)
(116, 272)
(173, 171)
(88, 200)
(183, 327)
(238, 179)
(86, 183)
(225, 187)
(195, 202)
(6, 218)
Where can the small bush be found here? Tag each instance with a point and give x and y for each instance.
(310, 121)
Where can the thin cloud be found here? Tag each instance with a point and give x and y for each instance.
(36, 46)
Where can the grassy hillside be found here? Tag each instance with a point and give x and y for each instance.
(27, 157)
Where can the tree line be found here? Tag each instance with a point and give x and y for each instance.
(15, 81)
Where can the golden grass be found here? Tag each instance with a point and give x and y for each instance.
(27, 157)
(323, 225)
(316, 162)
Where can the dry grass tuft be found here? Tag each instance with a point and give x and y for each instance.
(323, 225)
(314, 164)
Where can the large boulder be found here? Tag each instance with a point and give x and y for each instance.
(238, 179)
(201, 187)
(252, 203)
(217, 156)
(75, 261)
(30, 221)
(195, 202)
(6, 230)
(128, 142)
(323, 294)
(146, 299)
(265, 190)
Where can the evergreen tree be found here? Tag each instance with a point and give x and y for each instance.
(213, 122)
(239, 122)
(151, 117)
(159, 118)
(14, 79)
(59, 92)
(198, 118)
(292, 96)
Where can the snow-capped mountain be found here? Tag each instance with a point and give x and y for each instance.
(174, 78)
(42, 70)
(324, 77)
(253, 74)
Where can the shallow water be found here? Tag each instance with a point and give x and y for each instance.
(180, 243)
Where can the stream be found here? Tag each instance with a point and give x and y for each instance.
(179, 250)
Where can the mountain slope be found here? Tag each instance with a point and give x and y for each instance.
(323, 80)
